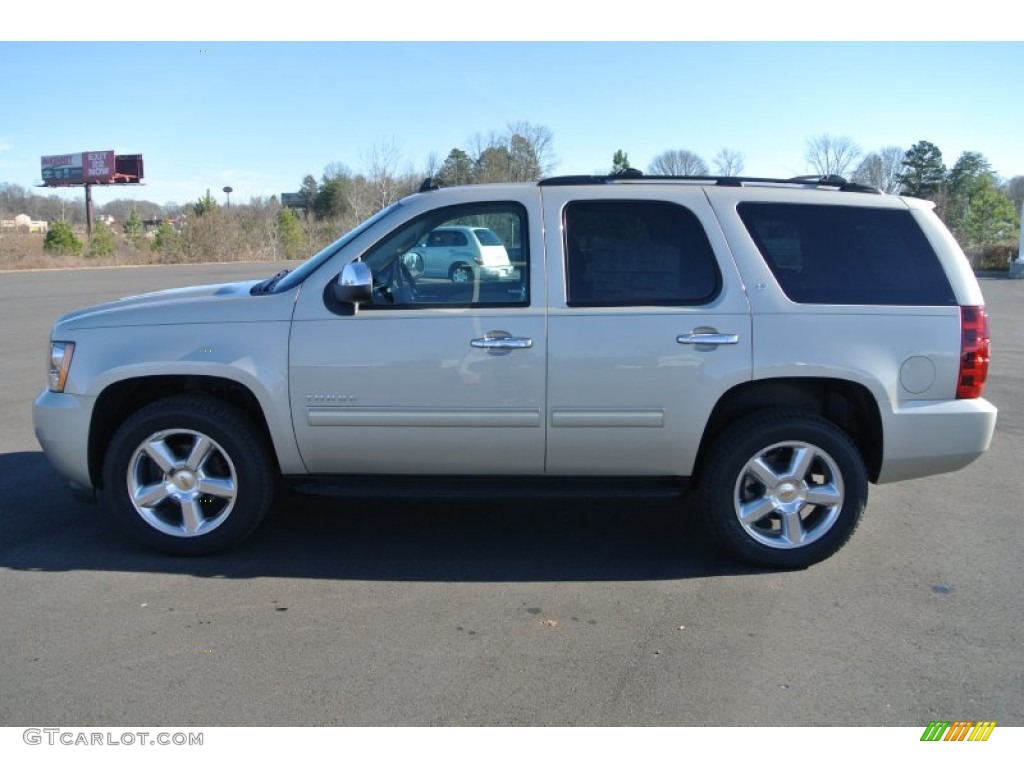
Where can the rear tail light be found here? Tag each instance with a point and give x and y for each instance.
(975, 347)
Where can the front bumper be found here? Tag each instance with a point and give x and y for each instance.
(61, 422)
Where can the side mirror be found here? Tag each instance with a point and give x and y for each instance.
(354, 285)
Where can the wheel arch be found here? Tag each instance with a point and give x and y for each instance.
(120, 400)
(848, 405)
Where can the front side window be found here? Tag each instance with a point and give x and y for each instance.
(629, 253)
(465, 255)
(832, 254)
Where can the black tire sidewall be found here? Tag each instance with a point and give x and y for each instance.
(737, 445)
(236, 436)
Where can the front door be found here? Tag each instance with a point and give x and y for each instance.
(435, 376)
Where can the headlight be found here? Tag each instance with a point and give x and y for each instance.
(60, 363)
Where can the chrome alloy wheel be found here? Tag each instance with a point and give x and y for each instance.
(789, 495)
(182, 483)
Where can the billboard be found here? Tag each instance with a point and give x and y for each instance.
(79, 168)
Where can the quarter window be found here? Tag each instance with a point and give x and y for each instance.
(628, 253)
(829, 254)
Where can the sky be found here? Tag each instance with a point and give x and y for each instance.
(259, 115)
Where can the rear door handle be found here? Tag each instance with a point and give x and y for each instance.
(712, 339)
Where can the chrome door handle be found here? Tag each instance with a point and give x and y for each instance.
(713, 339)
(501, 340)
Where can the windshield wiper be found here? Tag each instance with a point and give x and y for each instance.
(268, 285)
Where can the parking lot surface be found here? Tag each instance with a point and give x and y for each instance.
(387, 612)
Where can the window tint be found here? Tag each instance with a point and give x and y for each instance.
(637, 253)
(825, 254)
(435, 261)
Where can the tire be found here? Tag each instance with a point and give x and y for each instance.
(188, 475)
(783, 489)
(461, 274)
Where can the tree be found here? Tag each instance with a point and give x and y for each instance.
(289, 233)
(61, 241)
(620, 161)
(102, 241)
(881, 169)
(532, 150)
(728, 162)
(1015, 191)
(307, 193)
(678, 162)
(965, 180)
(924, 173)
(831, 155)
(991, 216)
(456, 170)
(166, 239)
(494, 164)
(133, 226)
(206, 204)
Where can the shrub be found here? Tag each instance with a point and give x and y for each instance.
(61, 241)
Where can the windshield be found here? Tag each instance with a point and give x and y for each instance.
(307, 268)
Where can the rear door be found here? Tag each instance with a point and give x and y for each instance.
(648, 326)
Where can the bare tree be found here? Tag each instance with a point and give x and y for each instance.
(728, 162)
(881, 169)
(382, 162)
(831, 155)
(678, 162)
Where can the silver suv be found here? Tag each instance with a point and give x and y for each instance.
(775, 344)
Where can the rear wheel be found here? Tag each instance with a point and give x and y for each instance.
(189, 475)
(783, 489)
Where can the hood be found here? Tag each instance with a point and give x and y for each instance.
(223, 302)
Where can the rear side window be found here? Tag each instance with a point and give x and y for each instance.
(825, 254)
(628, 253)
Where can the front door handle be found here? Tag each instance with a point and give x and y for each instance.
(501, 341)
(711, 339)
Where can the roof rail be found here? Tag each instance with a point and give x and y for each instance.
(632, 174)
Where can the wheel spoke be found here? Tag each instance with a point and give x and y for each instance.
(199, 453)
(222, 487)
(160, 453)
(753, 511)
(825, 495)
(191, 515)
(801, 462)
(150, 495)
(762, 472)
(792, 528)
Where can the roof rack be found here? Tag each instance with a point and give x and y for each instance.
(632, 174)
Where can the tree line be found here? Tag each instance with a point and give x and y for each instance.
(979, 207)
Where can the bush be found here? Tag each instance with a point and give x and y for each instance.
(61, 241)
(102, 241)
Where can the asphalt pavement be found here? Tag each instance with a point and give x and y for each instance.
(370, 612)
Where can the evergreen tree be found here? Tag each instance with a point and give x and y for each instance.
(924, 174)
(205, 205)
(102, 241)
(456, 170)
(60, 240)
(620, 161)
(133, 226)
(166, 239)
(991, 217)
(289, 233)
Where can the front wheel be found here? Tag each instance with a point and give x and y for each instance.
(188, 475)
(460, 274)
(783, 489)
